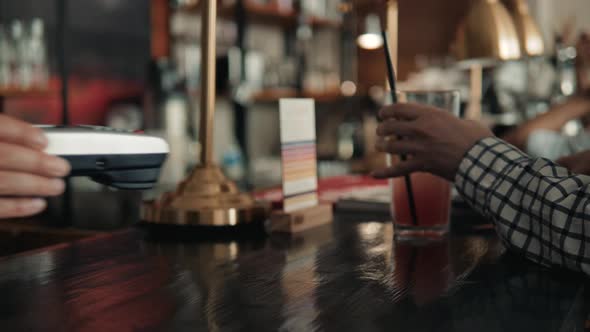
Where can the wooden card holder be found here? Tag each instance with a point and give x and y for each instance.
(301, 220)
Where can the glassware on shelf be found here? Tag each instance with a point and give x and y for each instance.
(315, 8)
(255, 67)
(20, 68)
(566, 69)
(288, 72)
(272, 75)
(6, 52)
(333, 11)
(23, 55)
(37, 51)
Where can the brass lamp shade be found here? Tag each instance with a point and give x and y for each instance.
(488, 33)
(531, 40)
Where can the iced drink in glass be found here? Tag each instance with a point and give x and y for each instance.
(432, 194)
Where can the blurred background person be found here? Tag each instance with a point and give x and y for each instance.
(542, 136)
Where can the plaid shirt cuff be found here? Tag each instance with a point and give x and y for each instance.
(482, 167)
(539, 208)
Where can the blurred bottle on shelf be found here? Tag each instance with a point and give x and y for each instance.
(6, 52)
(315, 8)
(23, 55)
(333, 9)
(233, 162)
(329, 9)
(255, 69)
(566, 69)
(288, 72)
(20, 68)
(175, 111)
(350, 139)
(314, 81)
(167, 115)
(37, 50)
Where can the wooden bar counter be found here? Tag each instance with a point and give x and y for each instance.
(347, 276)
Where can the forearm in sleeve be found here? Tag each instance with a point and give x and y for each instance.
(539, 208)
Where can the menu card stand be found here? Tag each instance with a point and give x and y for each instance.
(301, 209)
(301, 220)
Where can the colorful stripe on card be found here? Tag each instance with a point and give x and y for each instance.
(295, 170)
(299, 175)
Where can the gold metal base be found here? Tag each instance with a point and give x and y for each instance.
(205, 198)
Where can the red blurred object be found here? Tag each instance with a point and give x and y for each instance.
(89, 100)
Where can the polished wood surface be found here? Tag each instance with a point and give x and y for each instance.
(343, 277)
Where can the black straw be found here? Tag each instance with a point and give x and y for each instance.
(391, 78)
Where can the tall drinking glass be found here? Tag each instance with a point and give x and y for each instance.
(432, 194)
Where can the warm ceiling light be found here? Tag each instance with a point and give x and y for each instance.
(348, 88)
(371, 39)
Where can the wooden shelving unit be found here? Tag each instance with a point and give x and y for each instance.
(20, 93)
(265, 14)
(326, 22)
(269, 14)
(323, 96)
(6, 93)
(273, 95)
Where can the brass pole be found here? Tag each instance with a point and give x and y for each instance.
(474, 109)
(206, 197)
(208, 81)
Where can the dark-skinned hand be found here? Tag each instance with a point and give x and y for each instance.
(435, 140)
(578, 163)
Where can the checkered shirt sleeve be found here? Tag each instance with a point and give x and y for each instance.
(539, 208)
